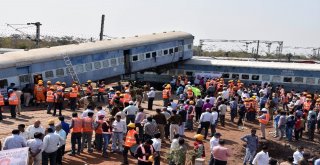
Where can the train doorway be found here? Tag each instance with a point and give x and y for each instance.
(127, 61)
(36, 78)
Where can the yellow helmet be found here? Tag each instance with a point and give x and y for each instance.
(40, 83)
(191, 102)
(74, 84)
(318, 100)
(131, 125)
(254, 97)
(308, 99)
(58, 82)
(51, 122)
(189, 89)
(48, 82)
(118, 92)
(89, 81)
(309, 96)
(150, 159)
(251, 99)
(199, 137)
(64, 83)
(52, 88)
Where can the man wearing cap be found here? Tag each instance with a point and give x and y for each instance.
(151, 94)
(205, 121)
(263, 120)
(132, 139)
(13, 102)
(50, 99)
(251, 146)
(131, 112)
(74, 92)
(214, 141)
(198, 146)
(39, 92)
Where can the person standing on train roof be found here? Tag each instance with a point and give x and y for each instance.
(101, 91)
(39, 93)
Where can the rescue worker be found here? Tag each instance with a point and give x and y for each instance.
(126, 98)
(13, 102)
(145, 153)
(89, 90)
(63, 86)
(50, 99)
(98, 133)
(251, 112)
(39, 93)
(59, 99)
(263, 120)
(248, 107)
(132, 139)
(307, 105)
(73, 97)
(87, 130)
(166, 96)
(101, 92)
(76, 126)
(48, 86)
(1, 105)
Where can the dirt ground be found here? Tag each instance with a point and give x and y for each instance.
(278, 149)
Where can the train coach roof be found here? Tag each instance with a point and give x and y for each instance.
(23, 58)
(196, 60)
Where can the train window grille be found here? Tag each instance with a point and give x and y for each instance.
(154, 54)
(225, 75)
(59, 72)
(79, 68)
(265, 78)
(88, 66)
(97, 65)
(245, 76)
(113, 62)
(105, 63)
(255, 77)
(3, 83)
(298, 79)
(176, 49)
(121, 60)
(276, 78)
(287, 79)
(148, 55)
(171, 51)
(141, 56)
(165, 52)
(310, 81)
(24, 78)
(236, 76)
(135, 58)
(48, 74)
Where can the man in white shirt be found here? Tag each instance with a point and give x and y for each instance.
(151, 94)
(85, 113)
(214, 121)
(262, 157)
(35, 146)
(23, 133)
(36, 127)
(225, 93)
(222, 109)
(205, 121)
(14, 141)
(101, 112)
(157, 147)
(298, 155)
(214, 141)
(51, 142)
(119, 128)
(60, 152)
(174, 105)
(131, 112)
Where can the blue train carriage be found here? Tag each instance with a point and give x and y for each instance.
(292, 75)
(95, 60)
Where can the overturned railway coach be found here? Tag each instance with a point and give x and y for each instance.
(95, 60)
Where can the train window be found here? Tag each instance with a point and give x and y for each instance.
(3, 83)
(298, 79)
(265, 78)
(236, 76)
(276, 78)
(310, 81)
(154, 54)
(165, 52)
(245, 76)
(189, 46)
(141, 57)
(135, 58)
(176, 49)
(24, 78)
(113, 62)
(79, 68)
(287, 79)
(60, 72)
(171, 51)
(88, 66)
(121, 60)
(105, 63)
(225, 75)
(97, 65)
(48, 74)
(148, 55)
(255, 77)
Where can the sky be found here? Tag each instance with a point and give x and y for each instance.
(296, 22)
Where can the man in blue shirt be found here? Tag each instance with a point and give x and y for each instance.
(65, 126)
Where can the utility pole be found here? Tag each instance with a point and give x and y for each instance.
(257, 54)
(102, 27)
(37, 24)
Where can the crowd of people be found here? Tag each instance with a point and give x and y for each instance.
(116, 117)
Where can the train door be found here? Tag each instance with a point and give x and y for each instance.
(24, 75)
(37, 77)
(127, 61)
